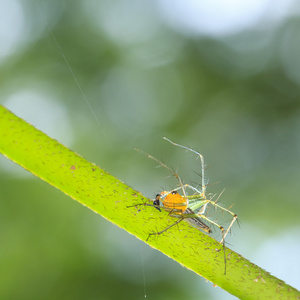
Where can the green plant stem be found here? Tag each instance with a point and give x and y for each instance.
(104, 194)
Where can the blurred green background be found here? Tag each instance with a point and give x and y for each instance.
(103, 77)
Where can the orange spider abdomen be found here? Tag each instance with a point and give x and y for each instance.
(175, 201)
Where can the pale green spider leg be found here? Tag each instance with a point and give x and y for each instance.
(196, 204)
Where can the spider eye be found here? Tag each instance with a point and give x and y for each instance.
(174, 192)
(156, 202)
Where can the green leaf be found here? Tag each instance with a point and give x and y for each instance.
(106, 195)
